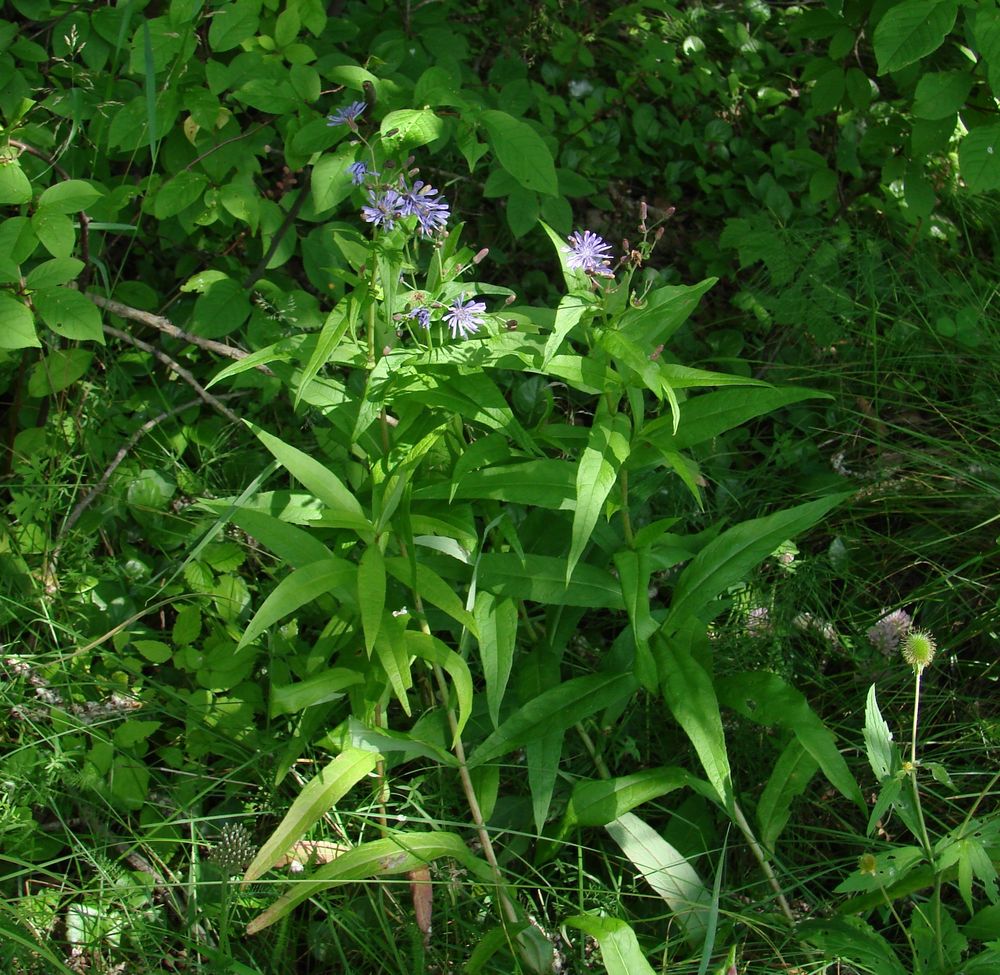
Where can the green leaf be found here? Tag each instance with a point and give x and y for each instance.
(689, 692)
(17, 325)
(667, 871)
(910, 31)
(292, 545)
(791, 775)
(430, 648)
(661, 313)
(432, 589)
(597, 802)
(330, 336)
(70, 196)
(232, 24)
(55, 230)
(521, 211)
(542, 483)
(344, 507)
(301, 586)
(766, 699)
(15, 188)
(634, 571)
(317, 798)
(497, 623)
(940, 94)
(553, 711)
(394, 855)
(17, 243)
(69, 314)
(979, 159)
(51, 274)
(542, 579)
(393, 655)
(521, 151)
(710, 414)
(883, 755)
(371, 593)
(385, 742)
(178, 194)
(607, 449)
(568, 314)
(620, 949)
(727, 559)
(58, 370)
(222, 308)
(855, 941)
(242, 200)
(408, 128)
(327, 686)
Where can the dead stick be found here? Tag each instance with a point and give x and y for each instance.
(177, 368)
(169, 328)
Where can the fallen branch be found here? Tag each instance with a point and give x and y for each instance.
(177, 368)
(169, 328)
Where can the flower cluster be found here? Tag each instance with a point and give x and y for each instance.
(387, 206)
(885, 635)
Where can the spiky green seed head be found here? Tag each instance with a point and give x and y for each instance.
(919, 649)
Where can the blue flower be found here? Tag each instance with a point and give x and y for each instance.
(463, 317)
(432, 214)
(422, 316)
(383, 209)
(590, 253)
(359, 171)
(348, 115)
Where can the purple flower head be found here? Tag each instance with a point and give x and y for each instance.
(348, 115)
(463, 317)
(590, 253)
(359, 171)
(432, 214)
(885, 635)
(383, 209)
(422, 316)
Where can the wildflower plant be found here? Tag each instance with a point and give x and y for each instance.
(924, 872)
(500, 527)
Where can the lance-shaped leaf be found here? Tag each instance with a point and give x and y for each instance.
(597, 802)
(690, 694)
(320, 794)
(295, 590)
(727, 559)
(568, 314)
(497, 622)
(430, 648)
(634, 568)
(667, 871)
(789, 778)
(606, 451)
(379, 858)
(371, 593)
(768, 700)
(620, 949)
(344, 507)
(553, 711)
(542, 579)
(431, 588)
